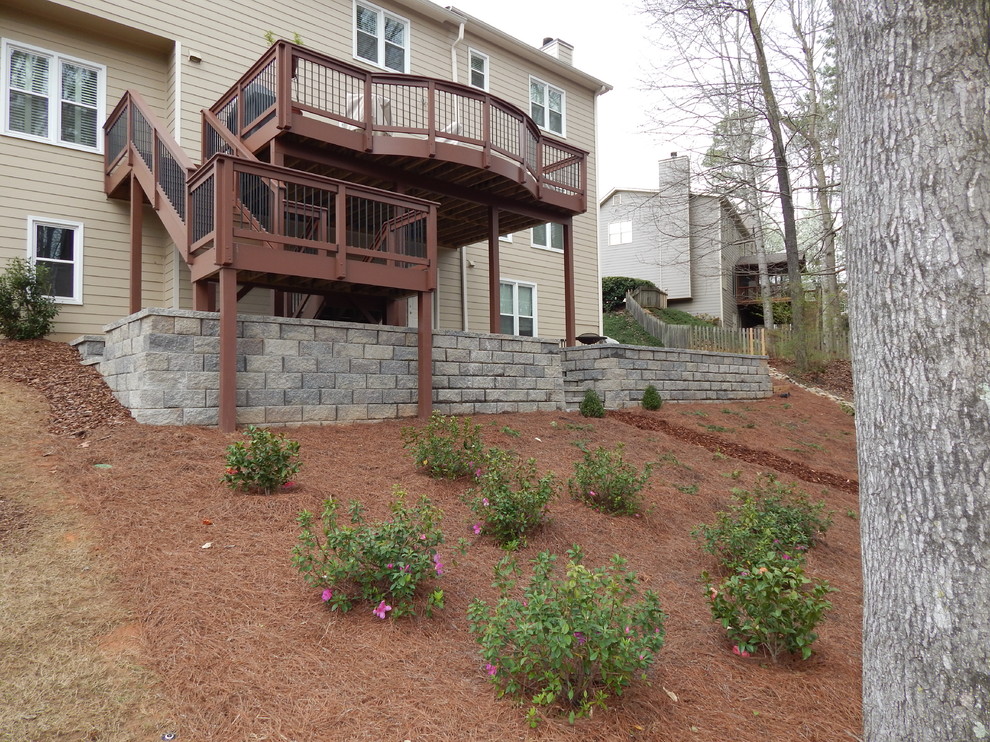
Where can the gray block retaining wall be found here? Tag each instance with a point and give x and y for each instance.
(163, 365)
(621, 373)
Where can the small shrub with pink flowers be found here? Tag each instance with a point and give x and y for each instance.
(568, 642)
(383, 564)
(603, 481)
(446, 447)
(773, 606)
(774, 520)
(508, 498)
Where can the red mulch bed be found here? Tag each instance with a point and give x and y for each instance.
(244, 650)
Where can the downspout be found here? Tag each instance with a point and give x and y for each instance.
(453, 52)
(464, 292)
(598, 216)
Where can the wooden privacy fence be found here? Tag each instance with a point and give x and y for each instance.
(778, 343)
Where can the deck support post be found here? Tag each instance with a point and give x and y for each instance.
(494, 284)
(137, 247)
(570, 314)
(424, 355)
(228, 350)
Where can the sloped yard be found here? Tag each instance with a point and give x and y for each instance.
(226, 643)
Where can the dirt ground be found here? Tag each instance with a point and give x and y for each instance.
(234, 646)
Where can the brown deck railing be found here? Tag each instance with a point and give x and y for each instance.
(135, 140)
(289, 80)
(753, 293)
(260, 217)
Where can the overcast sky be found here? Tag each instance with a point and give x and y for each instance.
(610, 43)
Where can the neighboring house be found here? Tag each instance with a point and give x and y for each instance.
(465, 132)
(693, 246)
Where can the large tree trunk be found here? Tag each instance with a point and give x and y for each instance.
(915, 149)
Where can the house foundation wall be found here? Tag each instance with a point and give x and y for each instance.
(163, 364)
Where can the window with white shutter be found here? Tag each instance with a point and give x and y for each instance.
(380, 37)
(51, 97)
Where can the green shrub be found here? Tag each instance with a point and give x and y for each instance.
(614, 289)
(771, 605)
(509, 499)
(27, 312)
(775, 520)
(383, 564)
(571, 641)
(605, 482)
(447, 447)
(591, 405)
(651, 398)
(265, 463)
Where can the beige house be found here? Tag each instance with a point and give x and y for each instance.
(404, 163)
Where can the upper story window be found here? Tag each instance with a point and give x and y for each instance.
(478, 69)
(549, 236)
(380, 37)
(57, 245)
(619, 233)
(50, 97)
(546, 106)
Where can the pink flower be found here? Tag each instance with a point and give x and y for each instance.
(422, 537)
(491, 669)
(476, 528)
(786, 556)
(740, 652)
(484, 501)
(382, 609)
(327, 594)
(477, 473)
(389, 565)
(289, 484)
(580, 638)
(628, 630)
(592, 493)
(437, 564)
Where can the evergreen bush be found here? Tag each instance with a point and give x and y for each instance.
(591, 405)
(651, 398)
(27, 311)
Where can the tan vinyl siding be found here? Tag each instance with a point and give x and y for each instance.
(49, 181)
(155, 69)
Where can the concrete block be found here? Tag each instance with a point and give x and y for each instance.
(329, 334)
(299, 364)
(368, 396)
(319, 414)
(326, 364)
(202, 416)
(336, 396)
(381, 381)
(263, 364)
(251, 415)
(158, 417)
(265, 397)
(184, 398)
(283, 414)
(291, 331)
(352, 412)
(280, 347)
(351, 381)
(264, 330)
(363, 337)
(379, 352)
(365, 366)
(348, 350)
(302, 396)
(382, 411)
(187, 326)
(318, 381)
(151, 324)
(398, 396)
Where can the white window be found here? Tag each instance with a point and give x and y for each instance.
(51, 97)
(478, 69)
(517, 308)
(380, 37)
(58, 245)
(619, 233)
(549, 236)
(546, 106)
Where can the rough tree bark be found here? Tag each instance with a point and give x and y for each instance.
(915, 92)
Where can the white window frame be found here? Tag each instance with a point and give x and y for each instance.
(515, 305)
(472, 54)
(547, 87)
(550, 227)
(77, 259)
(620, 233)
(382, 15)
(505, 237)
(56, 60)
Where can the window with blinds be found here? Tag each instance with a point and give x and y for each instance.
(52, 98)
(57, 245)
(380, 37)
(478, 64)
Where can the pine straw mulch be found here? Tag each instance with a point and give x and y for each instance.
(244, 651)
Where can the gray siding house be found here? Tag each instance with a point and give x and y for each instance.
(687, 243)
